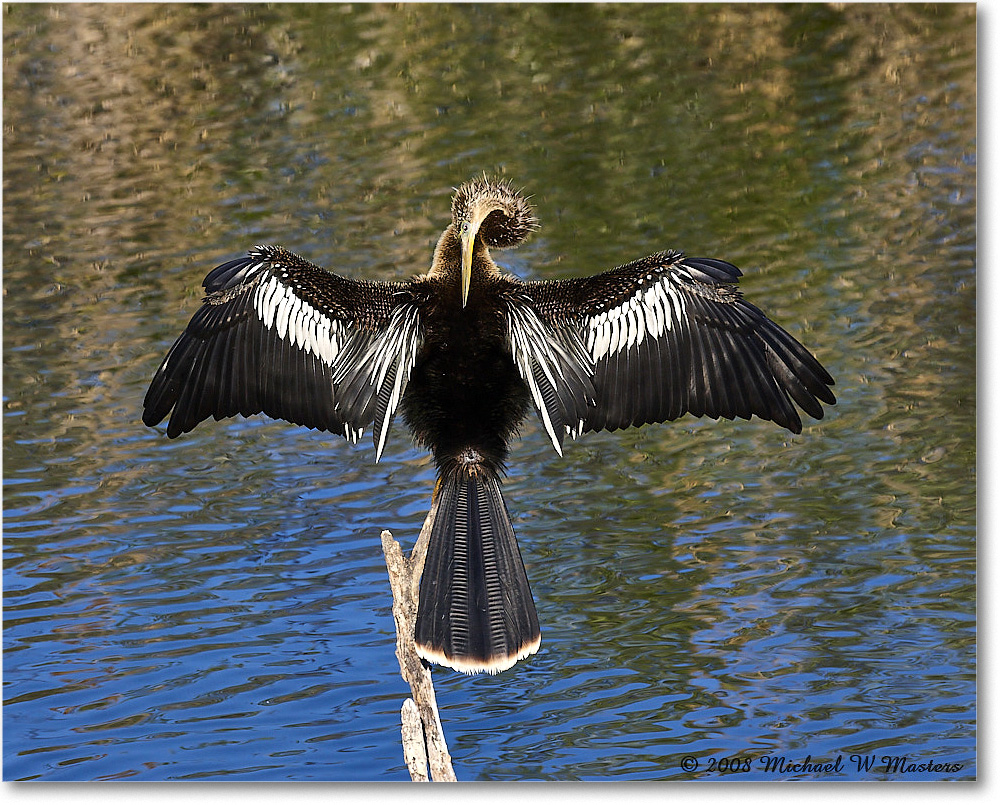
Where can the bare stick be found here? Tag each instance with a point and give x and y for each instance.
(423, 738)
(414, 745)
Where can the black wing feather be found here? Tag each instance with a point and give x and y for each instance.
(271, 338)
(670, 335)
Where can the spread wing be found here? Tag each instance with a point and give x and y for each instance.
(555, 365)
(281, 336)
(668, 335)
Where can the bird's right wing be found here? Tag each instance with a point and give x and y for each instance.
(281, 336)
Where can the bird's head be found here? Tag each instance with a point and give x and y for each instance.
(493, 210)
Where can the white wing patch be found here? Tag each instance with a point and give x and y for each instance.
(540, 359)
(379, 372)
(295, 320)
(397, 348)
(370, 370)
(648, 312)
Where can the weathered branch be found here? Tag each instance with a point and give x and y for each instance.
(423, 738)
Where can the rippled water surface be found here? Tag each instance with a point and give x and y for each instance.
(217, 607)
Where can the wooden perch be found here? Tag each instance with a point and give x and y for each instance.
(423, 738)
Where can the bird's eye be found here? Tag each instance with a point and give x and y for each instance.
(465, 227)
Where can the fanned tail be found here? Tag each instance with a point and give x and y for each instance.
(475, 611)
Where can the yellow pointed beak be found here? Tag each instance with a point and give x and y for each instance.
(468, 241)
(470, 229)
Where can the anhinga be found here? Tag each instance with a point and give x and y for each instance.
(464, 352)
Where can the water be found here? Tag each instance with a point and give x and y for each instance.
(217, 607)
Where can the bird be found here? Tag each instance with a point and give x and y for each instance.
(464, 353)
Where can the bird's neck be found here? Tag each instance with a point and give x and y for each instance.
(447, 264)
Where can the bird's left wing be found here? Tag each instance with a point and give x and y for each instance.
(279, 335)
(668, 335)
(554, 364)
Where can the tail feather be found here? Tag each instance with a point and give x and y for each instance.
(475, 610)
